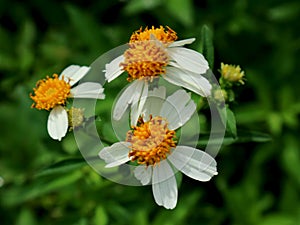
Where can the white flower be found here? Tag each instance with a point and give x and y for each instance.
(151, 144)
(154, 52)
(52, 94)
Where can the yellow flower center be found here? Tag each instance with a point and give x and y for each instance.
(165, 36)
(150, 141)
(50, 92)
(232, 73)
(146, 58)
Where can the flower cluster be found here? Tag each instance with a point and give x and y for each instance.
(152, 143)
(230, 76)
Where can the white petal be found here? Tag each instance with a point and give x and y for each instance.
(143, 174)
(154, 102)
(137, 105)
(69, 71)
(194, 82)
(88, 90)
(113, 69)
(57, 123)
(164, 185)
(74, 73)
(158, 92)
(194, 163)
(116, 154)
(189, 59)
(131, 94)
(182, 42)
(178, 109)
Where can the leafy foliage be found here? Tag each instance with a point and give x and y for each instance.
(46, 182)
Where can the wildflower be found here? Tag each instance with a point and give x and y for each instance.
(52, 94)
(153, 53)
(232, 73)
(75, 117)
(153, 146)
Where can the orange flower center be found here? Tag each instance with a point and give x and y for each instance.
(165, 36)
(150, 141)
(147, 58)
(50, 92)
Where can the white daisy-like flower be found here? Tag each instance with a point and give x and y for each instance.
(152, 145)
(52, 93)
(153, 53)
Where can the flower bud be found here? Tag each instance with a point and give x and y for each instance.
(76, 117)
(220, 95)
(232, 73)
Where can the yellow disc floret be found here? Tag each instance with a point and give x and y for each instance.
(145, 60)
(151, 141)
(147, 57)
(50, 92)
(161, 34)
(232, 73)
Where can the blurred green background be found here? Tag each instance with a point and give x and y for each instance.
(258, 182)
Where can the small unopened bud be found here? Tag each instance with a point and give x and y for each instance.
(232, 73)
(76, 117)
(220, 95)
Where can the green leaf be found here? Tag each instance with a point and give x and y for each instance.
(20, 194)
(228, 120)
(178, 177)
(278, 219)
(26, 217)
(100, 217)
(242, 137)
(186, 15)
(137, 6)
(25, 45)
(207, 47)
(291, 158)
(83, 25)
(231, 122)
(62, 167)
(203, 141)
(284, 12)
(252, 136)
(275, 122)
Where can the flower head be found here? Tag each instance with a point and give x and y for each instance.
(152, 144)
(166, 36)
(232, 73)
(52, 94)
(154, 53)
(146, 58)
(151, 141)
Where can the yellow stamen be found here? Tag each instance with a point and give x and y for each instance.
(147, 57)
(50, 92)
(151, 141)
(145, 60)
(165, 36)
